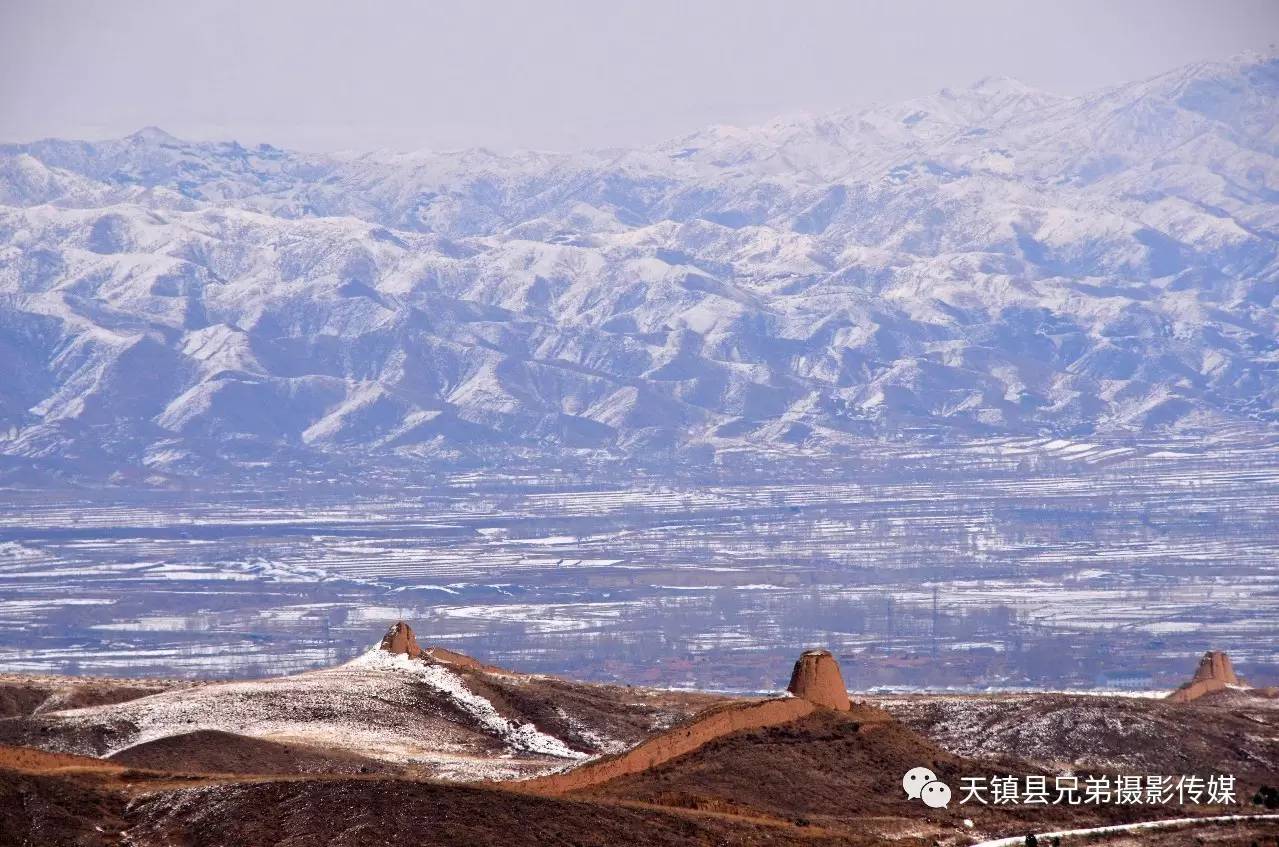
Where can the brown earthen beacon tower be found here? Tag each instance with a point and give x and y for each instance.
(1214, 673)
(817, 679)
(400, 639)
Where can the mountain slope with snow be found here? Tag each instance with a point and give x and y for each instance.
(993, 260)
(444, 719)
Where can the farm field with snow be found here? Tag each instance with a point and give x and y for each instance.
(987, 564)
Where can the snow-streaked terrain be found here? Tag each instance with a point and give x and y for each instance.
(993, 565)
(1186, 824)
(991, 260)
(390, 707)
(1069, 731)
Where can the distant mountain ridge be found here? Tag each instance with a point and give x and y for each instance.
(993, 260)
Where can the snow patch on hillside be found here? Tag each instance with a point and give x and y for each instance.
(521, 736)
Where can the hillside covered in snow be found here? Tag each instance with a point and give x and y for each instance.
(988, 261)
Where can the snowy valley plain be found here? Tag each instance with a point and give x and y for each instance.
(1009, 564)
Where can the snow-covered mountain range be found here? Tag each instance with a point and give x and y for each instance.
(988, 260)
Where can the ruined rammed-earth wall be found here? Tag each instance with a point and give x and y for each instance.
(1195, 690)
(674, 742)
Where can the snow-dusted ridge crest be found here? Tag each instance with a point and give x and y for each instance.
(519, 735)
(984, 261)
(419, 713)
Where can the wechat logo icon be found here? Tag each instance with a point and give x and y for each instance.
(922, 784)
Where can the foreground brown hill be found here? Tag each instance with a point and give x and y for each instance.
(212, 751)
(687, 769)
(840, 775)
(22, 694)
(435, 712)
(823, 780)
(1104, 734)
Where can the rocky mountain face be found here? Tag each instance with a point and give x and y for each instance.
(994, 260)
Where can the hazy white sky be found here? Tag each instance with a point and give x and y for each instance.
(555, 74)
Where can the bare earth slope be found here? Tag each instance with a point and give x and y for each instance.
(353, 755)
(54, 800)
(450, 720)
(840, 775)
(351, 813)
(826, 779)
(213, 751)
